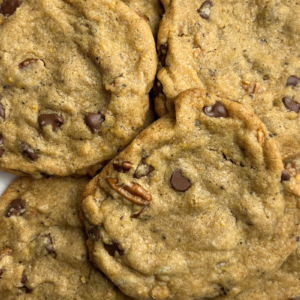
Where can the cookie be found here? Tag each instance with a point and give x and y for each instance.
(193, 208)
(74, 83)
(42, 243)
(245, 51)
(285, 283)
(150, 11)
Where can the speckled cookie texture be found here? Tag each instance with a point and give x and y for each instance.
(150, 10)
(246, 51)
(74, 83)
(194, 207)
(285, 283)
(42, 243)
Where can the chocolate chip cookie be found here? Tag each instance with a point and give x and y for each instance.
(74, 83)
(42, 243)
(245, 51)
(194, 207)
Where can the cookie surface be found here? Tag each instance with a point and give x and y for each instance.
(193, 207)
(245, 51)
(42, 244)
(74, 78)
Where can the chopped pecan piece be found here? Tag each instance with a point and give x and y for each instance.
(5, 251)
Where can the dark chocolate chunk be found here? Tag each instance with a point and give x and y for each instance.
(27, 62)
(49, 245)
(94, 232)
(163, 50)
(158, 88)
(111, 249)
(124, 166)
(16, 208)
(290, 104)
(8, 7)
(2, 112)
(204, 10)
(178, 182)
(135, 216)
(50, 119)
(1, 146)
(29, 152)
(94, 121)
(23, 279)
(216, 111)
(142, 170)
(285, 176)
(292, 81)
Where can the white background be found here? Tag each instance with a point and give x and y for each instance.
(5, 180)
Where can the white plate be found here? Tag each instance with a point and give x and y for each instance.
(5, 180)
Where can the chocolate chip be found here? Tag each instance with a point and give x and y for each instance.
(29, 152)
(285, 176)
(111, 249)
(94, 232)
(297, 239)
(50, 119)
(178, 182)
(124, 166)
(8, 7)
(204, 10)
(94, 121)
(290, 104)
(49, 246)
(216, 111)
(16, 208)
(292, 81)
(27, 62)
(163, 50)
(23, 279)
(1, 146)
(158, 88)
(2, 112)
(142, 170)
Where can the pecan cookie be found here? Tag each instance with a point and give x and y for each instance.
(246, 51)
(193, 208)
(74, 83)
(42, 243)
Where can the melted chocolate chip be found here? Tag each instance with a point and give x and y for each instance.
(216, 111)
(204, 10)
(27, 62)
(162, 54)
(94, 232)
(16, 208)
(29, 152)
(142, 170)
(1, 146)
(111, 249)
(8, 7)
(158, 88)
(49, 246)
(23, 279)
(290, 104)
(292, 81)
(94, 121)
(178, 182)
(2, 111)
(124, 167)
(285, 176)
(50, 119)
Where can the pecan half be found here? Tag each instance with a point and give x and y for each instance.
(133, 192)
(5, 251)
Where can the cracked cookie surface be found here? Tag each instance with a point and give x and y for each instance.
(74, 84)
(193, 208)
(245, 51)
(42, 243)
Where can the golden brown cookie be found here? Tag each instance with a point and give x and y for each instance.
(74, 83)
(194, 207)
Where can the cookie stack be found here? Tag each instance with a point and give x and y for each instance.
(203, 203)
